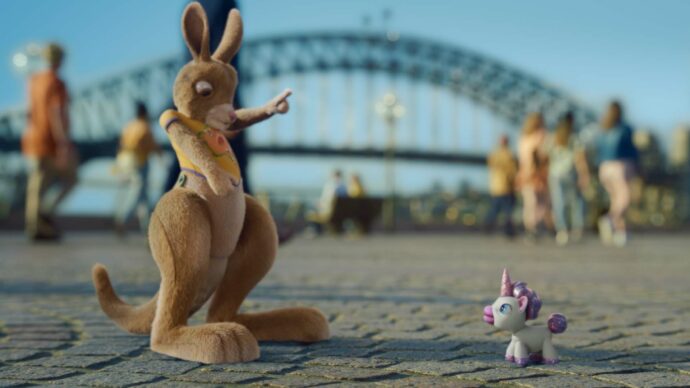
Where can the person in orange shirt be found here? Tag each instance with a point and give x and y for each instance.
(46, 144)
(136, 145)
(532, 174)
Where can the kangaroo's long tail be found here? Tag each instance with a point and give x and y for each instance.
(134, 319)
(557, 323)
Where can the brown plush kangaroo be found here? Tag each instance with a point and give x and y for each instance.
(209, 239)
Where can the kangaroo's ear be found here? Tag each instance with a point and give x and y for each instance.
(195, 30)
(232, 38)
(522, 301)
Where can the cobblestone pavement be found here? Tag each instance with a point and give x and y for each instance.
(405, 310)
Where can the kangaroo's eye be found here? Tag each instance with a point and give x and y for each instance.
(203, 88)
(505, 309)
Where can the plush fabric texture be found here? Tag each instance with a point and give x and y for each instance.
(209, 240)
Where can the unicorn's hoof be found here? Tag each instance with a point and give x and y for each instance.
(536, 358)
(550, 361)
(510, 358)
(522, 362)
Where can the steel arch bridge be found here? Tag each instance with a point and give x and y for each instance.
(99, 110)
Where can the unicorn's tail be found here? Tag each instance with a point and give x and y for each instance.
(557, 323)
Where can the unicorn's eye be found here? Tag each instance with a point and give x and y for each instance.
(203, 88)
(505, 309)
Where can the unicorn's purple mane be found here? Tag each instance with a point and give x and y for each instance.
(519, 289)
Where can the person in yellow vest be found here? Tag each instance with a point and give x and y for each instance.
(132, 164)
(502, 172)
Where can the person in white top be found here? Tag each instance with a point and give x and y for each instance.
(568, 178)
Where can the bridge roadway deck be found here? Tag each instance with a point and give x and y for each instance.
(405, 311)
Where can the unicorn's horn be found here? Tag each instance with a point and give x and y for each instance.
(506, 284)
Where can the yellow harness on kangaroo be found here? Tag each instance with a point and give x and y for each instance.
(215, 140)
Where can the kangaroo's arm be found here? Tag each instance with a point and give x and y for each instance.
(199, 154)
(250, 116)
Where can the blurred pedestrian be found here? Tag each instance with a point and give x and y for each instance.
(132, 164)
(617, 158)
(46, 144)
(568, 178)
(334, 187)
(532, 174)
(355, 188)
(502, 171)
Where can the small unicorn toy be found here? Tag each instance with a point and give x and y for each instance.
(517, 304)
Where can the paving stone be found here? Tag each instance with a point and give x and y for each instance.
(497, 348)
(165, 383)
(218, 377)
(420, 345)
(44, 336)
(345, 342)
(296, 381)
(47, 329)
(585, 368)
(683, 367)
(353, 362)
(424, 381)
(409, 355)
(396, 321)
(654, 356)
(34, 373)
(343, 373)
(154, 367)
(102, 349)
(590, 354)
(255, 367)
(18, 354)
(344, 352)
(12, 383)
(649, 379)
(564, 381)
(404, 335)
(109, 379)
(84, 362)
(282, 349)
(435, 368)
(397, 326)
(26, 344)
(502, 374)
(280, 358)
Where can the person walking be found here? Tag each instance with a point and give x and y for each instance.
(46, 144)
(568, 178)
(502, 170)
(132, 163)
(617, 158)
(531, 174)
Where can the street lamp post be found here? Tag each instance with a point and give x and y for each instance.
(390, 109)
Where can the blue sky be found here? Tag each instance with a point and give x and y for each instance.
(638, 51)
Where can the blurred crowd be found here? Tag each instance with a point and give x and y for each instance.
(552, 175)
(551, 171)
